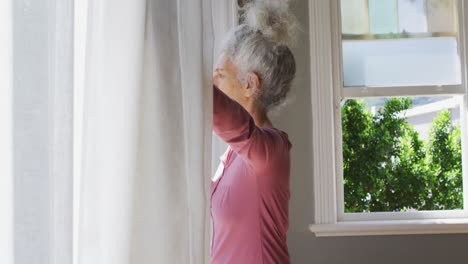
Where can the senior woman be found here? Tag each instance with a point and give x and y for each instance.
(250, 191)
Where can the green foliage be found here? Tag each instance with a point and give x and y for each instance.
(387, 167)
(444, 163)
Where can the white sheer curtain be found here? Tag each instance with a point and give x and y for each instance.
(6, 133)
(147, 130)
(36, 94)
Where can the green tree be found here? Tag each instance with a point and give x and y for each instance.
(444, 182)
(356, 127)
(387, 167)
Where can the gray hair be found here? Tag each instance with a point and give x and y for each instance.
(261, 46)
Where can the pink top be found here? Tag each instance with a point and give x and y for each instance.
(249, 202)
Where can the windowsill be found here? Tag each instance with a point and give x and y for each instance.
(394, 227)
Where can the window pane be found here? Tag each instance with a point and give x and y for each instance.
(401, 62)
(354, 17)
(412, 16)
(410, 43)
(402, 154)
(441, 16)
(383, 16)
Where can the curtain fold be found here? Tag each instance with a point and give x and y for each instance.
(147, 131)
(6, 134)
(113, 66)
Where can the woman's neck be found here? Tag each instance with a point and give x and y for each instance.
(260, 117)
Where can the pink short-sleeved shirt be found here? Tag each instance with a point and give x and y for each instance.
(249, 201)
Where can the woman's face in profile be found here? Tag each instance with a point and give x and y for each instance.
(225, 78)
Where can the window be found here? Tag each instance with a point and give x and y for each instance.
(389, 80)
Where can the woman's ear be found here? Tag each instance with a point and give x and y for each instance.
(253, 83)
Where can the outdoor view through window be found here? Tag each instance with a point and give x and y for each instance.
(401, 150)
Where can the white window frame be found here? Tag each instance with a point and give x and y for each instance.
(327, 92)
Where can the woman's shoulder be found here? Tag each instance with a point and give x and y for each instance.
(282, 136)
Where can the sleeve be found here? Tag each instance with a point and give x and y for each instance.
(235, 126)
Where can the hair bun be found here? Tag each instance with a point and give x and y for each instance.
(273, 19)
